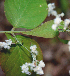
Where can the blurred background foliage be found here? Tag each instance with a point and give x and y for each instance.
(56, 55)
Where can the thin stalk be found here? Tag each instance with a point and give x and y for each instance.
(26, 31)
(11, 31)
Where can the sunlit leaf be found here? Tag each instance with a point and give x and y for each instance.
(25, 13)
(44, 30)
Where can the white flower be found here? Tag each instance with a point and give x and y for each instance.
(69, 45)
(51, 6)
(57, 20)
(54, 26)
(64, 27)
(66, 23)
(54, 13)
(40, 72)
(34, 51)
(31, 65)
(24, 68)
(9, 42)
(33, 47)
(27, 64)
(7, 47)
(41, 64)
(29, 73)
(69, 72)
(68, 42)
(37, 68)
(1, 44)
(34, 65)
(6, 44)
(69, 48)
(61, 15)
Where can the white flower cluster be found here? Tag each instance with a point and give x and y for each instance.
(69, 45)
(38, 68)
(66, 23)
(51, 10)
(57, 20)
(33, 49)
(25, 68)
(36, 65)
(6, 44)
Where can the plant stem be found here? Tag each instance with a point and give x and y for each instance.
(12, 31)
(26, 31)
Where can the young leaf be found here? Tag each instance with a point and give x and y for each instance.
(61, 25)
(25, 13)
(44, 30)
(63, 41)
(18, 56)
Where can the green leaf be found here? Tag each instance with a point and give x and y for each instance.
(17, 56)
(25, 13)
(10, 37)
(44, 30)
(63, 41)
(61, 25)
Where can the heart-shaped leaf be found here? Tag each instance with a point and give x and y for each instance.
(44, 30)
(25, 13)
(18, 55)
